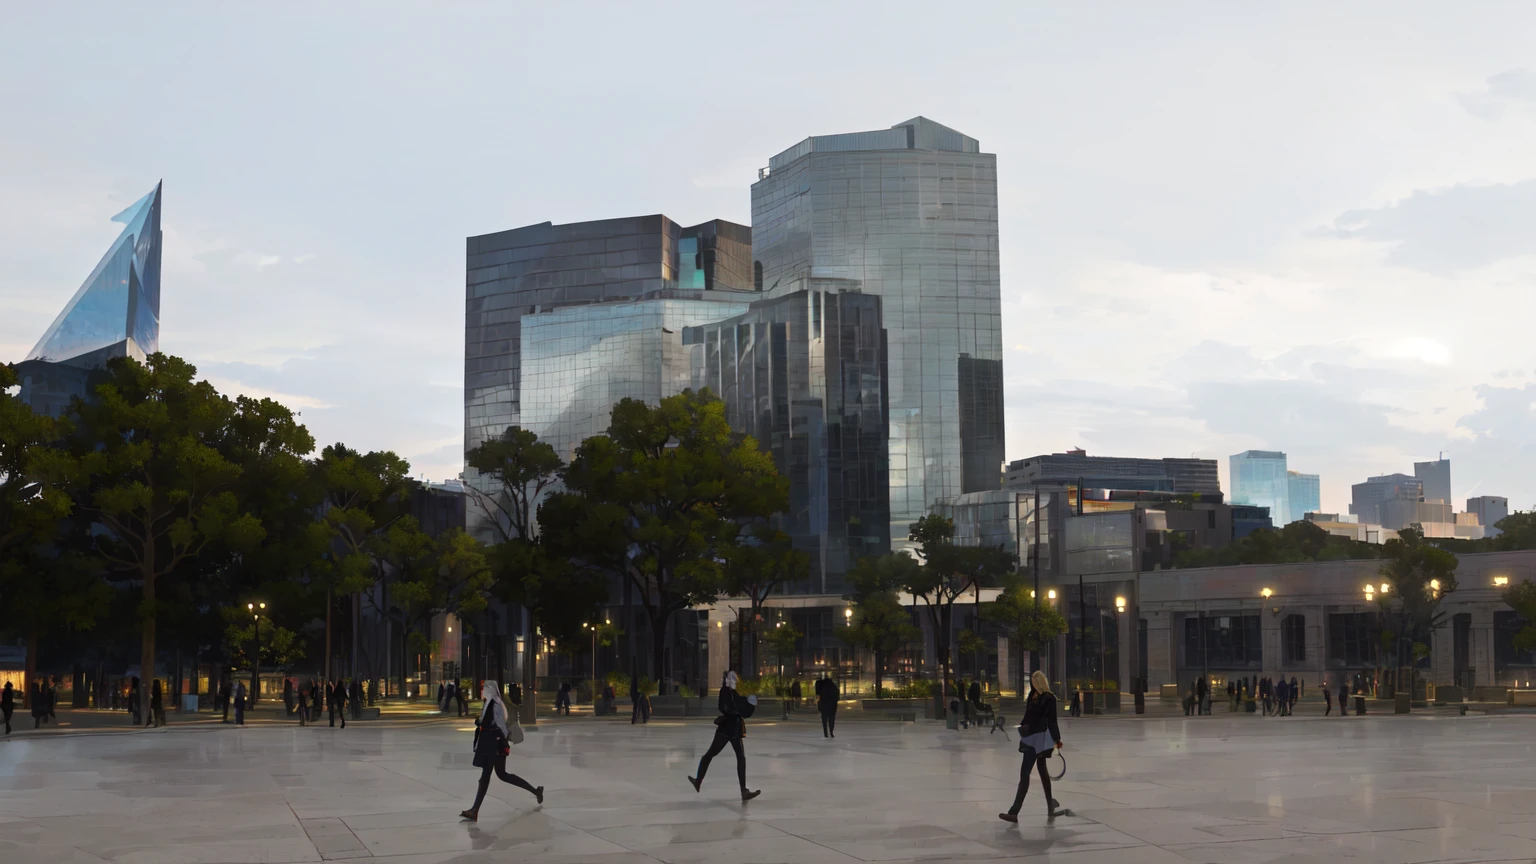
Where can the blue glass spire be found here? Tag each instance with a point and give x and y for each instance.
(116, 312)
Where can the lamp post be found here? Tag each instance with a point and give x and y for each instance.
(256, 609)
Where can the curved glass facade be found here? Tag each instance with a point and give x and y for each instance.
(910, 214)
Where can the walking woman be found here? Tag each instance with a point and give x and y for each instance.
(1038, 735)
(730, 727)
(493, 741)
(133, 700)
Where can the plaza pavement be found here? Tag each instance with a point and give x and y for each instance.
(1427, 787)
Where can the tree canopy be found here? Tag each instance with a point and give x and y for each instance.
(1295, 543)
(880, 624)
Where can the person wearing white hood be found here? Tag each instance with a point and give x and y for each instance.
(730, 726)
(493, 741)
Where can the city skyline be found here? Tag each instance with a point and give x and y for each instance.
(289, 278)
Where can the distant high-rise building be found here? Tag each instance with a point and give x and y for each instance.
(1436, 477)
(1260, 478)
(561, 321)
(804, 373)
(115, 313)
(1367, 498)
(910, 214)
(1076, 467)
(1489, 509)
(1306, 494)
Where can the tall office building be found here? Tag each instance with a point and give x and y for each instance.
(114, 313)
(804, 373)
(1076, 467)
(1366, 498)
(1436, 477)
(910, 214)
(561, 321)
(1306, 494)
(1260, 478)
(1489, 509)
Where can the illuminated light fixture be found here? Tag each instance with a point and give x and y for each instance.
(450, 629)
(1500, 581)
(1266, 593)
(719, 624)
(1051, 594)
(1119, 604)
(1385, 587)
(1031, 595)
(848, 612)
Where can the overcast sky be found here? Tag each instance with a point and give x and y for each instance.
(1310, 227)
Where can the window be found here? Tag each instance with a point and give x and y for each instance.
(1231, 642)
(757, 275)
(1349, 639)
(1293, 639)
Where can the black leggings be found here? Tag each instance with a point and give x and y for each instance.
(829, 722)
(721, 739)
(500, 768)
(1045, 783)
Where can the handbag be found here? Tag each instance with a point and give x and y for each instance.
(1038, 743)
(514, 730)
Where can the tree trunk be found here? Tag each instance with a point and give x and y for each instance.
(529, 713)
(879, 668)
(26, 689)
(659, 649)
(328, 604)
(147, 658)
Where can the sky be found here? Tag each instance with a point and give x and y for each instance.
(1305, 227)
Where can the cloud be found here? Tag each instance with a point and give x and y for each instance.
(1444, 231)
(1515, 87)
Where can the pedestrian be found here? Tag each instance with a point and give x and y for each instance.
(1295, 694)
(1204, 695)
(494, 737)
(634, 701)
(1231, 697)
(442, 700)
(1343, 696)
(1189, 698)
(239, 697)
(1076, 709)
(1038, 737)
(53, 698)
(795, 694)
(156, 704)
(356, 699)
(463, 700)
(339, 703)
(316, 701)
(826, 704)
(303, 705)
(224, 696)
(1327, 700)
(288, 695)
(8, 705)
(975, 695)
(563, 699)
(39, 705)
(134, 706)
(730, 728)
(1264, 694)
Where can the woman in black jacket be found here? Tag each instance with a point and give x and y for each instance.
(1037, 735)
(491, 749)
(730, 726)
(156, 704)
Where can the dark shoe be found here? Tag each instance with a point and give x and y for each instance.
(695, 781)
(539, 794)
(1055, 805)
(470, 816)
(749, 794)
(1008, 817)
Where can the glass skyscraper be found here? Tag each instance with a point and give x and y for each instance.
(561, 318)
(1305, 494)
(804, 373)
(114, 313)
(910, 214)
(1260, 478)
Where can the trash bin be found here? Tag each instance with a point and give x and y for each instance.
(1141, 703)
(1401, 703)
(189, 703)
(1359, 705)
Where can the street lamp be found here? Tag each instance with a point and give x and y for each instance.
(1500, 581)
(1051, 594)
(1266, 593)
(848, 616)
(256, 609)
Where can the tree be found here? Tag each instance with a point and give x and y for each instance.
(1294, 543)
(37, 585)
(948, 571)
(1030, 621)
(156, 484)
(363, 495)
(661, 498)
(880, 624)
(783, 639)
(1521, 597)
(560, 594)
(755, 568)
(1420, 575)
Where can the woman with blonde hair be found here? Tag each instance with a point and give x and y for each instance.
(1038, 736)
